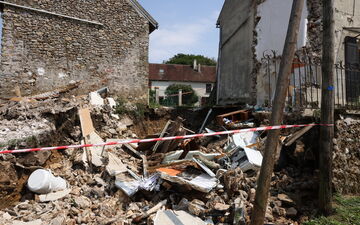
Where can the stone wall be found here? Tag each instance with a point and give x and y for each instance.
(347, 15)
(41, 52)
(346, 156)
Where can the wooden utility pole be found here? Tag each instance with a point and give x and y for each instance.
(327, 108)
(263, 185)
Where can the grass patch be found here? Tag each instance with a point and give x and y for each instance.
(347, 212)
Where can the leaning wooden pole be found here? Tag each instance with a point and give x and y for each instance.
(327, 108)
(282, 85)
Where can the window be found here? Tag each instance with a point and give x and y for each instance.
(208, 88)
(352, 65)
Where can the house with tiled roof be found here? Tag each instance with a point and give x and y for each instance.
(201, 78)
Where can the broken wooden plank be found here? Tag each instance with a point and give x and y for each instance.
(174, 130)
(87, 126)
(138, 154)
(234, 117)
(297, 135)
(161, 135)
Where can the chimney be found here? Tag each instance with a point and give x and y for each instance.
(195, 64)
(199, 68)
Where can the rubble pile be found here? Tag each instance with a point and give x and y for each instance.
(203, 181)
(346, 156)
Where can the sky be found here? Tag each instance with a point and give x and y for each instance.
(185, 26)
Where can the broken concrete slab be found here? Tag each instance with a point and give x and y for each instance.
(96, 99)
(126, 120)
(111, 102)
(169, 217)
(96, 156)
(54, 195)
(115, 165)
(284, 198)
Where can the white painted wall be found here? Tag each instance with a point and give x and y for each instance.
(272, 27)
(199, 88)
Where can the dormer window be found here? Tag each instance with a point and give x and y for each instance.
(161, 71)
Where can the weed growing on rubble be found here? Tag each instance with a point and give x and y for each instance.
(121, 107)
(139, 113)
(347, 212)
(28, 141)
(138, 110)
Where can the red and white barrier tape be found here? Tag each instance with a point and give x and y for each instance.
(163, 138)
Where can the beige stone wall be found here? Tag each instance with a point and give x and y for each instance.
(347, 14)
(41, 52)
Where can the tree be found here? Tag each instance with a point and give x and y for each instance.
(189, 96)
(187, 59)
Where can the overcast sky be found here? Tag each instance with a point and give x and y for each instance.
(185, 26)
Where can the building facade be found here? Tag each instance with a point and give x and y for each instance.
(202, 79)
(46, 44)
(257, 31)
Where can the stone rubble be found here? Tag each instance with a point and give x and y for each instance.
(93, 197)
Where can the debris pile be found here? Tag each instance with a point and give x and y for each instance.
(346, 156)
(211, 180)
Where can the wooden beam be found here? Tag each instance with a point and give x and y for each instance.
(263, 185)
(327, 108)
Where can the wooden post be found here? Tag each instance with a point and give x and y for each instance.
(327, 108)
(180, 97)
(157, 95)
(263, 185)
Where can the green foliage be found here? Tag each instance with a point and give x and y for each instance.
(120, 107)
(137, 111)
(189, 97)
(347, 212)
(186, 59)
(152, 100)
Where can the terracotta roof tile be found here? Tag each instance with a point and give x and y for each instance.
(170, 72)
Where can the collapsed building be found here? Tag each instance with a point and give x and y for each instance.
(49, 44)
(257, 30)
(209, 180)
(205, 180)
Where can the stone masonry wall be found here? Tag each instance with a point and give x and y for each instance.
(41, 52)
(346, 14)
(346, 155)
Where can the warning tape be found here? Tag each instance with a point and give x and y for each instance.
(162, 139)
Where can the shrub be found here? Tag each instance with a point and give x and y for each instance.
(189, 98)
